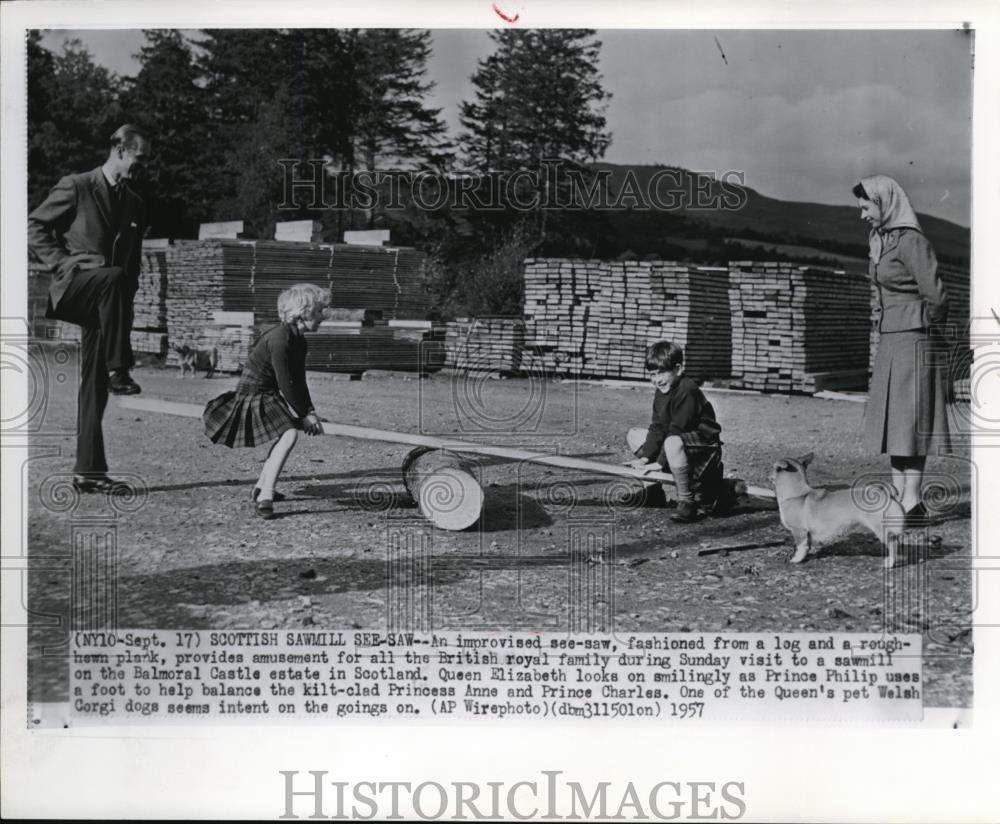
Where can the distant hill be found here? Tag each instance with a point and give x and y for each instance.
(713, 234)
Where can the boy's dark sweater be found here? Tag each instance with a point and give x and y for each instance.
(683, 409)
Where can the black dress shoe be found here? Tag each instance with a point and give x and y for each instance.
(96, 483)
(275, 496)
(917, 517)
(122, 384)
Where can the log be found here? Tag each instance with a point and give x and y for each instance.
(191, 410)
(443, 487)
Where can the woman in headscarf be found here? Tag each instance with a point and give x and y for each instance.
(906, 414)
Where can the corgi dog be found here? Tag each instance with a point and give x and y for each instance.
(194, 359)
(814, 514)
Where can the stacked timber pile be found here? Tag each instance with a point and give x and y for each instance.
(397, 346)
(957, 282)
(597, 318)
(245, 277)
(196, 279)
(558, 298)
(41, 327)
(149, 324)
(797, 328)
(484, 344)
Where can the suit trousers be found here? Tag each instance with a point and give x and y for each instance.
(100, 302)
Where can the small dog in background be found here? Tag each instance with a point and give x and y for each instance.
(814, 514)
(196, 359)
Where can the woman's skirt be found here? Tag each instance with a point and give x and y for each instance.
(907, 410)
(247, 419)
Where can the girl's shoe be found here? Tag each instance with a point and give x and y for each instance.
(275, 496)
(265, 509)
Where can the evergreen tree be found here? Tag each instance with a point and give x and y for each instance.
(391, 123)
(73, 110)
(166, 99)
(538, 96)
(354, 98)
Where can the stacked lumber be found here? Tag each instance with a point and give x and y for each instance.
(798, 328)
(41, 327)
(484, 344)
(196, 282)
(149, 323)
(957, 282)
(596, 318)
(245, 277)
(558, 296)
(353, 348)
(390, 280)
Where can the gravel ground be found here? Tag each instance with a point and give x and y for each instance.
(191, 553)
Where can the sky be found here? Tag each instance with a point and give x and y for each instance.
(803, 114)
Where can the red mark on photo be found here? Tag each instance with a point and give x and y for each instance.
(505, 17)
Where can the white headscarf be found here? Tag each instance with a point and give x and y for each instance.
(894, 210)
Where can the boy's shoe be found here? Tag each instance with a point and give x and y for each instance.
(687, 513)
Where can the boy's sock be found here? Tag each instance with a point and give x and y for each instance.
(682, 479)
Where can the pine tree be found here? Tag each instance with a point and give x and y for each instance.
(165, 98)
(354, 98)
(73, 110)
(538, 96)
(392, 125)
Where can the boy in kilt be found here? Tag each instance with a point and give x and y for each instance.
(683, 435)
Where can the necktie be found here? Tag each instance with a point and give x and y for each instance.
(118, 200)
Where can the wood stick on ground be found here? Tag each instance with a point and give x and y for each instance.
(713, 550)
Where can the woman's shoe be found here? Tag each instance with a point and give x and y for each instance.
(96, 483)
(275, 496)
(265, 509)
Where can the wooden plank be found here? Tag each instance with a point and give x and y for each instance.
(367, 237)
(229, 229)
(300, 231)
(232, 318)
(191, 410)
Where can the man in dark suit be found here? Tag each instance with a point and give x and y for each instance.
(89, 233)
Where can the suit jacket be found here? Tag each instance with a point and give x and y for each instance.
(76, 220)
